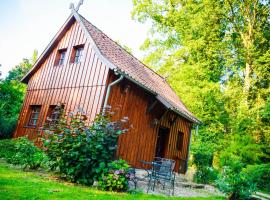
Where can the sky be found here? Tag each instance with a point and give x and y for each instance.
(26, 25)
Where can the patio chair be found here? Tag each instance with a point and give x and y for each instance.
(132, 177)
(161, 172)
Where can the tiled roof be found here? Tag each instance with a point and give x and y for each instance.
(141, 74)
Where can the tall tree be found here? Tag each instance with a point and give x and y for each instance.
(216, 56)
(11, 96)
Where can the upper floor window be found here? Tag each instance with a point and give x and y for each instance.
(34, 111)
(180, 141)
(77, 54)
(60, 57)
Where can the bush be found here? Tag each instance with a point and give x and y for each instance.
(114, 176)
(235, 181)
(203, 159)
(7, 149)
(260, 174)
(23, 152)
(76, 149)
(205, 175)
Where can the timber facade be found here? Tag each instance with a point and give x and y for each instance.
(76, 69)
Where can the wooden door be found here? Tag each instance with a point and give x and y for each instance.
(162, 141)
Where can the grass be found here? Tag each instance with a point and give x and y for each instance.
(18, 184)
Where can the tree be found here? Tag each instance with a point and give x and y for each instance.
(11, 96)
(216, 56)
(187, 48)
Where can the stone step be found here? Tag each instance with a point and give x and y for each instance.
(258, 197)
(190, 185)
(267, 196)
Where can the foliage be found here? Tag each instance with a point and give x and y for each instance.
(202, 156)
(241, 176)
(216, 57)
(76, 149)
(22, 152)
(235, 182)
(114, 176)
(260, 174)
(205, 175)
(242, 148)
(203, 159)
(7, 149)
(11, 96)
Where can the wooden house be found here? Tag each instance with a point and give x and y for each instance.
(83, 66)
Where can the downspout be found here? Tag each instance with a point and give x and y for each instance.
(196, 130)
(108, 93)
(189, 142)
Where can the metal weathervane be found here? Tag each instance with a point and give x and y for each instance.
(71, 6)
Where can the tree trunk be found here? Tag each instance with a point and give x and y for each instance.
(247, 81)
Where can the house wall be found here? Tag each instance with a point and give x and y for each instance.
(139, 143)
(84, 85)
(74, 85)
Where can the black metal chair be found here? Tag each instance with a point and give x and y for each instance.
(132, 177)
(161, 172)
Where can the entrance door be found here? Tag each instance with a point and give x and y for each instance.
(162, 141)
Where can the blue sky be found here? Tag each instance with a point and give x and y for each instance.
(31, 24)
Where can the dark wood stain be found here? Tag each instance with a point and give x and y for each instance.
(84, 84)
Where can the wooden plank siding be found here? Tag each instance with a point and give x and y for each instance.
(139, 143)
(84, 84)
(80, 84)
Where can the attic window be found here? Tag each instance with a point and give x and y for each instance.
(77, 54)
(60, 57)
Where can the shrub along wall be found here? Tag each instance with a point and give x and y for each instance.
(76, 150)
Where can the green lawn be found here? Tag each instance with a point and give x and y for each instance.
(17, 184)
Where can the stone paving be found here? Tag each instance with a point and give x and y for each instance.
(183, 187)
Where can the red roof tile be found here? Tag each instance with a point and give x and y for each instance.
(136, 70)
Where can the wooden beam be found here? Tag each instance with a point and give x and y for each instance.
(150, 108)
(163, 115)
(173, 121)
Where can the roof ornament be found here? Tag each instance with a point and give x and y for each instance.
(72, 8)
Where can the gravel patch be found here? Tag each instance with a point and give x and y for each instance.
(183, 187)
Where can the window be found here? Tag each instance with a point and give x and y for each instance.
(54, 113)
(180, 140)
(77, 54)
(60, 57)
(34, 111)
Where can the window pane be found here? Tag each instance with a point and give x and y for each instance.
(62, 57)
(34, 114)
(78, 55)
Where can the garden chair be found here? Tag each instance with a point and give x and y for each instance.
(132, 177)
(161, 172)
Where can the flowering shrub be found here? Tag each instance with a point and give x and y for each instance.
(76, 149)
(114, 176)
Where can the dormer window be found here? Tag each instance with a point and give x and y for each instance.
(60, 57)
(77, 54)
